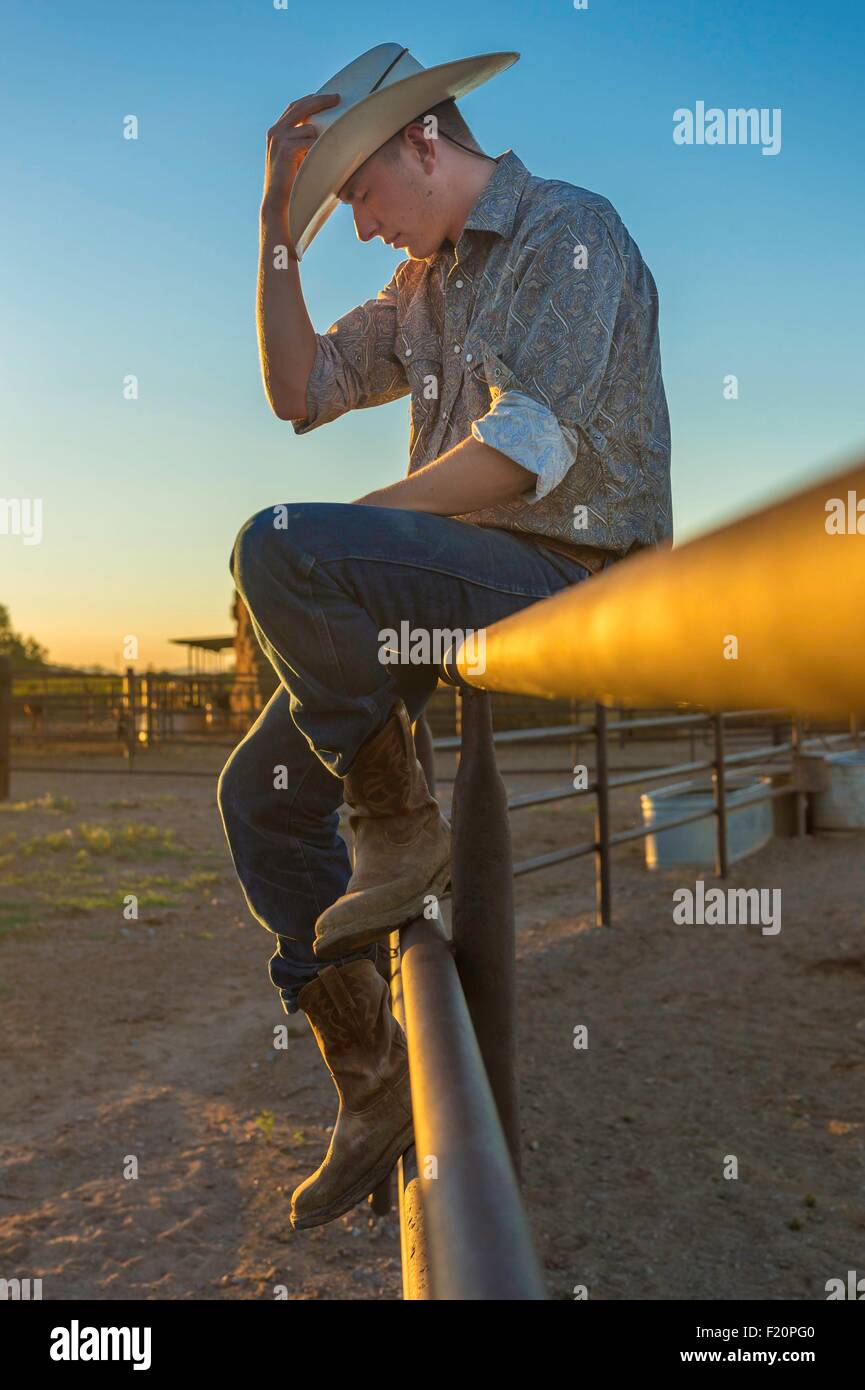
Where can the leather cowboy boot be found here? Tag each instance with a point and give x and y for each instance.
(364, 1050)
(402, 843)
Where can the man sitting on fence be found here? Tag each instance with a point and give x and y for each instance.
(523, 324)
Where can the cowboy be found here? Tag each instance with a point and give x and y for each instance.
(523, 326)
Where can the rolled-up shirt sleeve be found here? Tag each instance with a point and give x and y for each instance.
(355, 364)
(530, 434)
(559, 339)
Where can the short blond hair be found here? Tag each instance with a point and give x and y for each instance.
(449, 121)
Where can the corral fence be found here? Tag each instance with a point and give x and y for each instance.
(467, 1238)
(651, 634)
(119, 723)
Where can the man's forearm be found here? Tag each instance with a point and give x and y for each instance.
(286, 337)
(468, 477)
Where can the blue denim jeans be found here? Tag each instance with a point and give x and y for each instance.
(321, 581)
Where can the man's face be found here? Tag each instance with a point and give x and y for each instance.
(394, 197)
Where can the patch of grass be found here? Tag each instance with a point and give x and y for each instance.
(79, 903)
(52, 843)
(48, 801)
(151, 899)
(97, 838)
(200, 880)
(122, 842)
(18, 914)
(94, 887)
(108, 898)
(89, 868)
(264, 1122)
(147, 842)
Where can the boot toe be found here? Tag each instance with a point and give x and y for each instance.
(372, 908)
(367, 1146)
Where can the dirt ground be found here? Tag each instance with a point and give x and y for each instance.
(152, 1041)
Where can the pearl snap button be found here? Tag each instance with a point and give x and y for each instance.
(408, 352)
(457, 347)
(468, 357)
(459, 284)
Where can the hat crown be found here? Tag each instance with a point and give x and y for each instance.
(379, 67)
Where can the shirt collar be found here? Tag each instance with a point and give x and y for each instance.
(496, 206)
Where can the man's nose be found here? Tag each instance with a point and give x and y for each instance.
(365, 226)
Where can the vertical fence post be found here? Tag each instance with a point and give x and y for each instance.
(5, 726)
(483, 908)
(603, 880)
(719, 788)
(423, 744)
(130, 716)
(458, 721)
(574, 748)
(147, 709)
(799, 800)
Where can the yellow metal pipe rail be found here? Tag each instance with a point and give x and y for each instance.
(767, 610)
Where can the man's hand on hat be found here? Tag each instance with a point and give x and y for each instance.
(288, 140)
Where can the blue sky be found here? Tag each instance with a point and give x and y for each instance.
(140, 257)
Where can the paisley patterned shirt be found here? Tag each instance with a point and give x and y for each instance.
(536, 333)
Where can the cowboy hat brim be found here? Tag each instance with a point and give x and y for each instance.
(352, 138)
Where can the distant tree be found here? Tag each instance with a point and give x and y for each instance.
(27, 654)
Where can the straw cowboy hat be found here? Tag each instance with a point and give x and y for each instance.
(380, 92)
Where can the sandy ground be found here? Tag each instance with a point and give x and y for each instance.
(152, 1040)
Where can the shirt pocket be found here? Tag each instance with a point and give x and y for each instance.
(421, 361)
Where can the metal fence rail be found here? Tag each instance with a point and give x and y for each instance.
(464, 1234)
(768, 610)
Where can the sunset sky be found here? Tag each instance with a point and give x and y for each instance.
(139, 257)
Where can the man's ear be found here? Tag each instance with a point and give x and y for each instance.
(422, 145)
